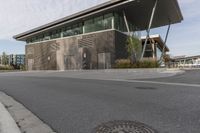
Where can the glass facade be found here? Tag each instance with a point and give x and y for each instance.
(99, 23)
(72, 30)
(103, 22)
(120, 23)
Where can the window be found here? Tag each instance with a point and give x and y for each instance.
(108, 21)
(77, 29)
(120, 23)
(46, 36)
(40, 37)
(67, 31)
(148, 54)
(98, 23)
(89, 25)
(56, 34)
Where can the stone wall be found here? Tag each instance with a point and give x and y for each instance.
(41, 56)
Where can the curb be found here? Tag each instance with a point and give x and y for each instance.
(26, 121)
(7, 123)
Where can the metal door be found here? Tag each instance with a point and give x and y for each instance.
(104, 60)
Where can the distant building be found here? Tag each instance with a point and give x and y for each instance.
(154, 48)
(96, 37)
(0, 59)
(186, 61)
(16, 60)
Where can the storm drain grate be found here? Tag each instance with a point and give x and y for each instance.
(123, 127)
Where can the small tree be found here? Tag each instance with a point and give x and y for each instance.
(4, 59)
(166, 58)
(134, 48)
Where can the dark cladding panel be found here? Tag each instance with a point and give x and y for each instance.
(120, 46)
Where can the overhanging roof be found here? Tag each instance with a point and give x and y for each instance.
(157, 38)
(137, 11)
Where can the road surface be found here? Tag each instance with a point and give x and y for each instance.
(72, 105)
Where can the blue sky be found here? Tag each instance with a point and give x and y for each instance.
(22, 15)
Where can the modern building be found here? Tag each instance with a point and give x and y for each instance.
(96, 37)
(186, 61)
(155, 47)
(3, 60)
(16, 60)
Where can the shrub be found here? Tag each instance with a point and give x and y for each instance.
(6, 67)
(147, 64)
(126, 63)
(123, 63)
(134, 48)
(22, 68)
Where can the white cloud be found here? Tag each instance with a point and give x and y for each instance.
(21, 15)
(186, 1)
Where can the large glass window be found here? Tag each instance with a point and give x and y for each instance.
(89, 25)
(98, 23)
(120, 23)
(148, 51)
(56, 34)
(94, 24)
(47, 36)
(108, 21)
(77, 29)
(67, 31)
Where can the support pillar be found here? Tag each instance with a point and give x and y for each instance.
(166, 37)
(149, 28)
(126, 22)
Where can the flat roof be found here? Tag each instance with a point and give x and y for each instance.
(137, 11)
(158, 39)
(186, 57)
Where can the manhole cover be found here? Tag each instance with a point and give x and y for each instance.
(123, 127)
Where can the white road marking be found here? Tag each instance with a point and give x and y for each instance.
(156, 82)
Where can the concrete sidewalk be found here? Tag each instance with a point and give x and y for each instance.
(108, 74)
(20, 117)
(7, 123)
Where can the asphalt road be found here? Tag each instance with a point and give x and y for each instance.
(78, 105)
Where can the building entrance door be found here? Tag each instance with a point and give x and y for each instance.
(30, 64)
(104, 61)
